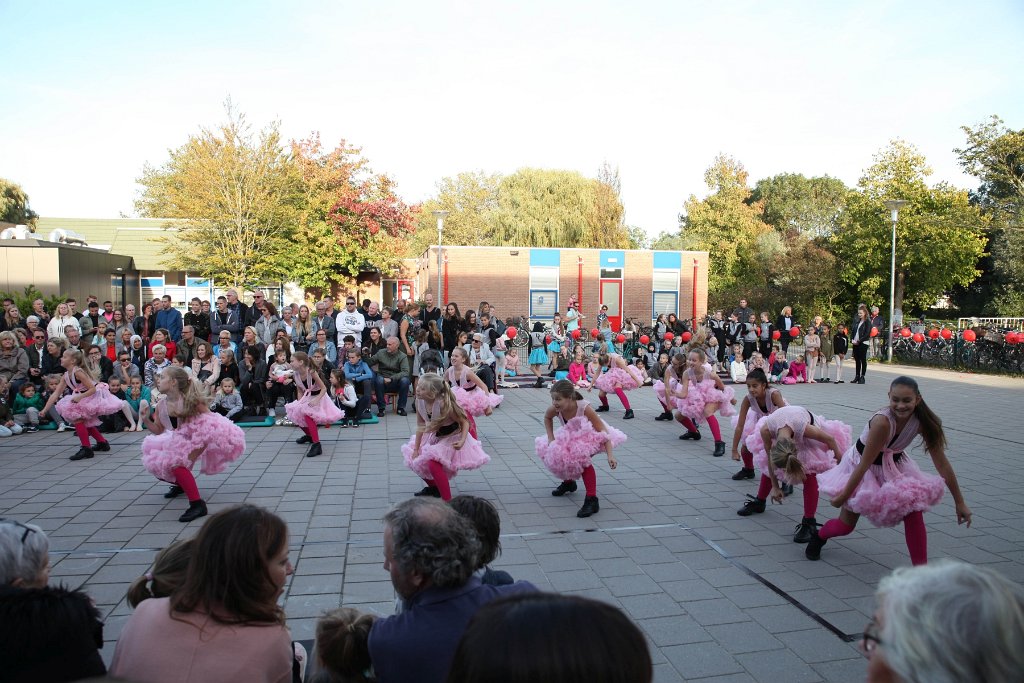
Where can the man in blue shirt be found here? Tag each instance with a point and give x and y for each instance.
(430, 551)
(169, 319)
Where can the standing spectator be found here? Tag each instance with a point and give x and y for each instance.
(388, 325)
(39, 311)
(268, 324)
(572, 315)
(408, 328)
(226, 319)
(717, 328)
(451, 325)
(108, 311)
(150, 311)
(303, 332)
(372, 318)
(743, 311)
(430, 551)
(429, 312)
(329, 307)
(287, 317)
(118, 323)
(12, 319)
(169, 318)
(132, 320)
(784, 323)
(883, 334)
(324, 321)
(240, 310)
(61, 320)
(860, 337)
(91, 320)
(392, 374)
(254, 312)
(349, 322)
(199, 321)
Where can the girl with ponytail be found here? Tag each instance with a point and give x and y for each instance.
(313, 406)
(879, 479)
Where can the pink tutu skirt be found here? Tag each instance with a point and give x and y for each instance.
(476, 401)
(702, 394)
(89, 409)
(616, 378)
(815, 456)
(441, 450)
(886, 494)
(165, 452)
(324, 413)
(574, 445)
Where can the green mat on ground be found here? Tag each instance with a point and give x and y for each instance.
(48, 426)
(267, 421)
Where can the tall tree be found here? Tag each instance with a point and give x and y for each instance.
(14, 206)
(236, 195)
(794, 202)
(470, 199)
(940, 234)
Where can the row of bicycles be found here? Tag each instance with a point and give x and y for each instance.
(982, 349)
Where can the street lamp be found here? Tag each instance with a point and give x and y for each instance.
(440, 226)
(894, 206)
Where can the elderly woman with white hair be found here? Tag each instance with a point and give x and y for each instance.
(948, 622)
(49, 633)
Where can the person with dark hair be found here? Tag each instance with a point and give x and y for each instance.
(878, 479)
(484, 516)
(431, 553)
(223, 622)
(549, 637)
(860, 339)
(761, 400)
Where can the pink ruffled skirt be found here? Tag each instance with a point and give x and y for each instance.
(324, 413)
(224, 442)
(574, 445)
(884, 497)
(616, 378)
(89, 409)
(699, 396)
(815, 456)
(476, 401)
(441, 450)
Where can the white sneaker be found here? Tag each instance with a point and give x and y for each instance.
(63, 426)
(271, 413)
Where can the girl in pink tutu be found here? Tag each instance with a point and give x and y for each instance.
(182, 430)
(667, 386)
(568, 452)
(761, 400)
(314, 405)
(878, 479)
(442, 445)
(616, 377)
(469, 390)
(700, 395)
(801, 446)
(84, 406)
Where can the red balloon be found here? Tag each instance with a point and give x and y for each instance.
(776, 335)
(933, 333)
(511, 332)
(645, 340)
(969, 335)
(874, 331)
(794, 332)
(619, 338)
(1011, 338)
(595, 333)
(576, 334)
(918, 337)
(686, 336)
(669, 336)
(905, 332)
(946, 334)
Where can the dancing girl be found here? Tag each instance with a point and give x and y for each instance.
(84, 406)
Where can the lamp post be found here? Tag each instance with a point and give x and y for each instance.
(579, 284)
(440, 227)
(894, 206)
(693, 322)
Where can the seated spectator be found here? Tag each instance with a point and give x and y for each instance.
(738, 369)
(14, 363)
(227, 401)
(28, 404)
(391, 375)
(375, 343)
(138, 397)
(48, 633)
(358, 373)
(342, 648)
(155, 365)
(223, 620)
(325, 345)
(139, 353)
(252, 377)
(484, 517)
(343, 393)
(161, 336)
(431, 553)
(568, 639)
(322, 365)
(249, 338)
(228, 367)
(481, 360)
(948, 621)
(124, 369)
(97, 365)
(224, 342)
(779, 369)
(797, 370)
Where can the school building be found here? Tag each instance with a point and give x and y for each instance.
(536, 282)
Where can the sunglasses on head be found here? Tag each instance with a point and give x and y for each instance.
(28, 529)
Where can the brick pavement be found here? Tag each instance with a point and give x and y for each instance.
(715, 593)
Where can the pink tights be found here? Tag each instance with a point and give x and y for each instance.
(810, 498)
(590, 480)
(748, 458)
(440, 479)
(311, 430)
(183, 478)
(913, 528)
(622, 397)
(84, 433)
(716, 431)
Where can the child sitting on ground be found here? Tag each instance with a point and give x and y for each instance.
(737, 368)
(779, 368)
(797, 370)
(227, 401)
(27, 405)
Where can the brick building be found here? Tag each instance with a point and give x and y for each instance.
(537, 282)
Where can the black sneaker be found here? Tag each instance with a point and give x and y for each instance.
(174, 491)
(564, 488)
(751, 507)
(667, 415)
(381, 412)
(826, 380)
(343, 424)
(744, 473)
(196, 509)
(814, 546)
(314, 450)
(355, 423)
(102, 446)
(590, 506)
(305, 438)
(431, 491)
(31, 429)
(601, 409)
(629, 415)
(401, 412)
(719, 449)
(805, 530)
(787, 489)
(83, 453)
(690, 436)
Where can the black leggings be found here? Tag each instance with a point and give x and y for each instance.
(860, 358)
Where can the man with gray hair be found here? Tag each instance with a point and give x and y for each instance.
(431, 553)
(24, 555)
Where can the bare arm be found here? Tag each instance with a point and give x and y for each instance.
(738, 432)
(549, 423)
(55, 396)
(767, 439)
(963, 513)
(148, 417)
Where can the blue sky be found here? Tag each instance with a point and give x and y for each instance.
(429, 89)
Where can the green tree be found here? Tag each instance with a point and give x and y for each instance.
(236, 196)
(940, 234)
(14, 206)
(995, 155)
(470, 199)
(638, 237)
(726, 223)
(794, 202)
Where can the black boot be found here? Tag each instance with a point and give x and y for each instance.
(690, 436)
(805, 530)
(83, 453)
(745, 473)
(751, 507)
(719, 449)
(667, 415)
(601, 409)
(305, 438)
(102, 446)
(431, 491)
(590, 506)
(174, 491)
(196, 509)
(629, 415)
(814, 546)
(539, 383)
(314, 450)
(787, 489)
(565, 487)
